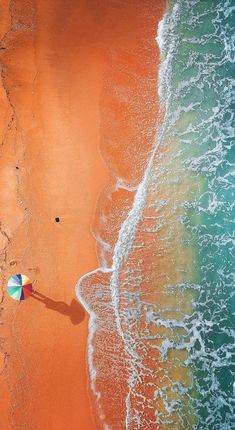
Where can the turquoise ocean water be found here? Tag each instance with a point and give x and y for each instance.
(162, 316)
(198, 86)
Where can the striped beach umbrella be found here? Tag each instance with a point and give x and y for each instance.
(19, 287)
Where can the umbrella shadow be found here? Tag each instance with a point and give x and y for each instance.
(74, 311)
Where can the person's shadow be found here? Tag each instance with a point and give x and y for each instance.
(74, 311)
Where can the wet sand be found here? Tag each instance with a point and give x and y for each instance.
(55, 57)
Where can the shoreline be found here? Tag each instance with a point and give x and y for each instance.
(127, 140)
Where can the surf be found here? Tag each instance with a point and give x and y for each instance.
(164, 300)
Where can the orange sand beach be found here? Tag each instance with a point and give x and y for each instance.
(56, 59)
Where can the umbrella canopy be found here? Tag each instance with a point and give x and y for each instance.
(19, 287)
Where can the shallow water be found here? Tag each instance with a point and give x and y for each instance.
(162, 307)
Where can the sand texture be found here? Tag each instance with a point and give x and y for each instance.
(58, 63)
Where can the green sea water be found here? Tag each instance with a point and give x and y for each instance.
(163, 314)
(197, 39)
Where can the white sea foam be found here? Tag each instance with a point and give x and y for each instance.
(202, 159)
(92, 329)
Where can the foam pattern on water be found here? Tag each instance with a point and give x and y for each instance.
(166, 307)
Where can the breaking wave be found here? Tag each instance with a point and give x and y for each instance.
(161, 332)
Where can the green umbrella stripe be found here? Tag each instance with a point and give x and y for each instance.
(17, 294)
(12, 290)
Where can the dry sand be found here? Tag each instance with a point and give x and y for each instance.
(54, 56)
